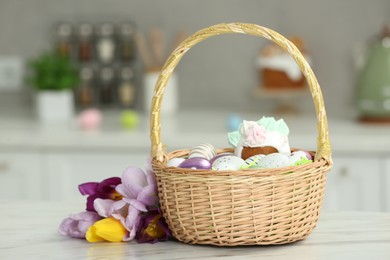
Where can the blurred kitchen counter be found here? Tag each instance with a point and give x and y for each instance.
(34, 157)
(21, 130)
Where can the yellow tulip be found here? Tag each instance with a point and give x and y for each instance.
(107, 229)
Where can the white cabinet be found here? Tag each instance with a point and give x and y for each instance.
(65, 171)
(386, 185)
(20, 176)
(355, 184)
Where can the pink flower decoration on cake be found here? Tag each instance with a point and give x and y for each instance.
(253, 133)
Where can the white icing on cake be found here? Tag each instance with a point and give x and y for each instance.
(282, 62)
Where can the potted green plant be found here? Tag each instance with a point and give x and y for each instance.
(54, 77)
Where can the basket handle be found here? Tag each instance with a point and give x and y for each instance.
(158, 149)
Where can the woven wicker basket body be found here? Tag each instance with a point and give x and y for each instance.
(247, 207)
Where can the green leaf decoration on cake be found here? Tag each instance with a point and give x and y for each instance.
(270, 124)
(234, 138)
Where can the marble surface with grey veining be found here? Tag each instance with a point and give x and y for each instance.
(29, 231)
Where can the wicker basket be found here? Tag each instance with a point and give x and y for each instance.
(246, 207)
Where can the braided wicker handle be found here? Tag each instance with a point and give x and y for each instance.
(158, 150)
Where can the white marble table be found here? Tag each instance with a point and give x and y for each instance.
(28, 230)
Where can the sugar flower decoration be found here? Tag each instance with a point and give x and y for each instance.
(252, 132)
(264, 132)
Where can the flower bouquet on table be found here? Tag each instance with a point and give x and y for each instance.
(119, 209)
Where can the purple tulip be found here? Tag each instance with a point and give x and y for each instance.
(138, 189)
(153, 228)
(103, 190)
(121, 210)
(76, 225)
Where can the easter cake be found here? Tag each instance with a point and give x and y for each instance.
(265, 136)
(278, 70)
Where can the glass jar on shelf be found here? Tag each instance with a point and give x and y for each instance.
(105, 43)
(63, 35)
(127, 89)
(106, 86)
(85, 93)
(85, 42)
(126, 44)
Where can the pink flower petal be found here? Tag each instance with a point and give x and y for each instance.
(148, 196)
(76, 225)
(104, 207)
(151, 178)
(122, 189)
(131, 222)
(136, 204)
(134, 179)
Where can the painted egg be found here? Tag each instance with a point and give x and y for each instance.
(90, 119)
(254, 160)
(274, 160)
(175, 162)
(196, 163)
(228, 162)
(205, 150)
(308, 155)
(297, 156)
(219, 156)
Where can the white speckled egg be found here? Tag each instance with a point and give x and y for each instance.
(219, 156)
(229, 162)
(205, 150)
(175, 162)
(297, 156)
(254, 160)
(274, 160)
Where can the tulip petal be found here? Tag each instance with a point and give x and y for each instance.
(110, 229)
(66, 225)
(134, 180)
(91, 236)
(90, 201)
(88, 188)
(136, 204)
(122, 189)
(108, 185)
(132, 222)
(76, 225)
(148, 196)
(104, 207)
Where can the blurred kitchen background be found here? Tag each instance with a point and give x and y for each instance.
(115, 49)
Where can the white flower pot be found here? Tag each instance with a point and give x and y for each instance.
(55, 106)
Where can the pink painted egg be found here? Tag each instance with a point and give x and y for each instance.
(90, 119)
